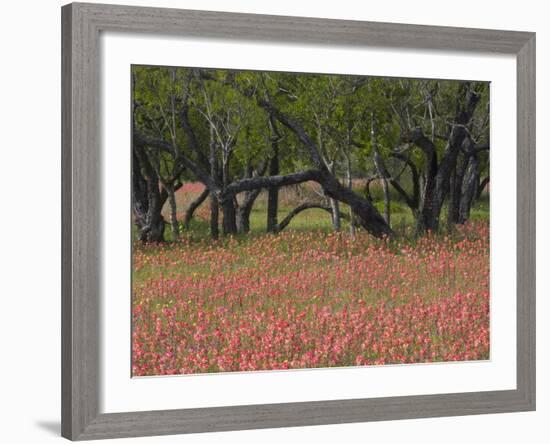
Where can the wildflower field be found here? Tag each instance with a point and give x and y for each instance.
(309, 298)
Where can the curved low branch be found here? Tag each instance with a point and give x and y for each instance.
(305, 206)
(482, 186)
(193, 206)
(253, 183)
(244, 210)
(414, 200)
(250, 197)
(367, 190)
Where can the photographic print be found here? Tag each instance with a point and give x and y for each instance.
(296, 220)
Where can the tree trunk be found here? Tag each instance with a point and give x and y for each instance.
(140, 202)
(380, 171)
(369, 218)
(367, 191)
(147, 199)
(243, 211)
(193, 207)
(467, 101)
(350, 187)
(469, 189)
(436, 194)
(273, 192)
(229, 215)
(243, 220)
(335, 209)
(334, 205)
(214, 217)
(455, 192)
(173, 212)
(214, 204)
(454, 199)
(427, 220)
(438, 184)
(273, 170)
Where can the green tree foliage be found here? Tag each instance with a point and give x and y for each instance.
(426, 139)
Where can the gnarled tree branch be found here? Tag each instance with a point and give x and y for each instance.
(305, 206)
(193, 206)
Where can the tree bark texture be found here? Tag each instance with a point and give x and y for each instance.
(214, 217)
(147, 198)
(438, 174)
(244, 210)
(173, 212)
(469, 189)
(273, 192)
(229, 211)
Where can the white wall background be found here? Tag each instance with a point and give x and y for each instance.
(30, 200)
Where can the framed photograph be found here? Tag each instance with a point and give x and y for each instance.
(278, 221)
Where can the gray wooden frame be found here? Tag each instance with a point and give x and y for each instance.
(81, 167)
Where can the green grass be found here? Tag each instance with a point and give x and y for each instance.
(315, 219)
(480, 210)
(309, 220)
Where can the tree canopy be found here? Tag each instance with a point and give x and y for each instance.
(241, 132)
